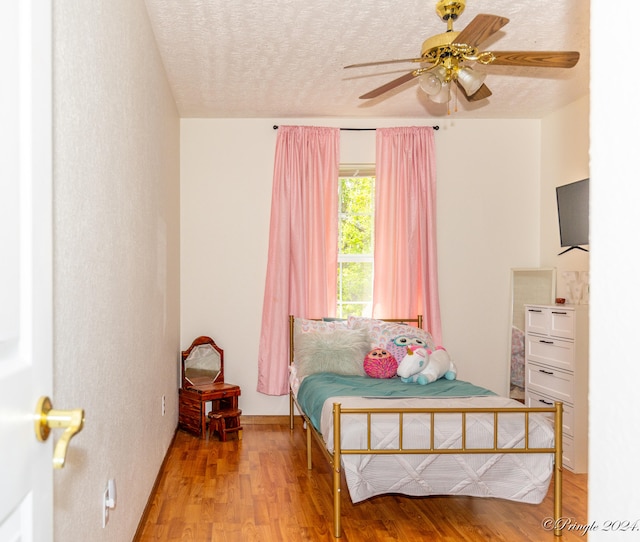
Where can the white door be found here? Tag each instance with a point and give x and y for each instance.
(26, 472)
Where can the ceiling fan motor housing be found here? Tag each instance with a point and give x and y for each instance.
(450, 9)
(431, 45)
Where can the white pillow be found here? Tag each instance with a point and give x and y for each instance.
(340, 351)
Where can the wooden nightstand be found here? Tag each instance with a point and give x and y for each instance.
(202, 383)
(193, 401)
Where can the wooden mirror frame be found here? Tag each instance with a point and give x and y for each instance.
(202, 340)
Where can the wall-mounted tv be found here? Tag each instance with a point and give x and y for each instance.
(573, 214)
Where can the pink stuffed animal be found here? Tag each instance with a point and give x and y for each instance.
(380, 364)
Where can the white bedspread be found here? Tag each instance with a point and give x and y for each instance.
(517, 477)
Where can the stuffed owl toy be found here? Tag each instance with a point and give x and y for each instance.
(397, 346)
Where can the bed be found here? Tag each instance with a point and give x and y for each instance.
(387, 436)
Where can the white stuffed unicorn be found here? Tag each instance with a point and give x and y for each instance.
(424, 366)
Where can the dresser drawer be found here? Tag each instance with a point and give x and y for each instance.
(550, 382)
(554, 352)
(533, 399)
(537, 320)
(554, 322)
(190, 420)
(562, 323)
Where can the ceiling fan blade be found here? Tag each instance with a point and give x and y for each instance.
(480, 94)
(380, 62)
(481, 28)
(388, 86)
(538, 59)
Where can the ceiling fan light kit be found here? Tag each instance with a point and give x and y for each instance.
(444, 95)
(431, 82)
(445, 57)
(470, 80)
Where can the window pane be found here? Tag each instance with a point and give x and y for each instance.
(356, 281)
(356, 215)
(355, 245)
(355, 309)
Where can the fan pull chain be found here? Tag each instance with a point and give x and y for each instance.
(455, 101)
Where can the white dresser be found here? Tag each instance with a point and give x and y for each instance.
(557, 369)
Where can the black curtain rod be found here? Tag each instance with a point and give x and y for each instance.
(436, 127)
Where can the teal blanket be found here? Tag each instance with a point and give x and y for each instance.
(317, 388)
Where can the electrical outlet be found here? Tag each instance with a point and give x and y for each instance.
(108, 501)
(105, 508)
(163, 405)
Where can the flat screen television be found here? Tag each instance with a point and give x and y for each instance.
(573, 214)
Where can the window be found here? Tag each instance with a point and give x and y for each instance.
(356, 193)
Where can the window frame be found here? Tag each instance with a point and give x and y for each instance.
(351, 171)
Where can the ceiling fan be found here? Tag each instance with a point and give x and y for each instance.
(444, 58)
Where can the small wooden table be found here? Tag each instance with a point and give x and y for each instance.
(193, 400)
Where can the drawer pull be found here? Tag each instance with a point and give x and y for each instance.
(546, 342)
(545, 372)
(545, 402)
(562, 313)
(535, 310)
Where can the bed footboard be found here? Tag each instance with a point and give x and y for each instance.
(338, 451)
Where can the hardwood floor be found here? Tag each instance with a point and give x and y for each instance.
(259, 489)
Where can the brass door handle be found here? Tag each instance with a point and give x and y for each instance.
(46, 418)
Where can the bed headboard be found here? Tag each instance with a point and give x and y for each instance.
(292, 326)
(292, 320)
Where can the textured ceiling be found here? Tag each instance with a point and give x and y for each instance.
(286, 58)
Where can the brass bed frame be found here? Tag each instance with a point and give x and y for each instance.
(334, 458)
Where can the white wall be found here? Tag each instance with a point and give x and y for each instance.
(488, 222)
(614, 401)
(116, 254)
(565, 159)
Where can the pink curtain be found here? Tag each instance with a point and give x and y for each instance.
(303, 244)
(405, 260)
